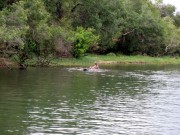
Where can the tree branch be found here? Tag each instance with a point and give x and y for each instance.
(74, 8)
(128, 32)
(4, 57)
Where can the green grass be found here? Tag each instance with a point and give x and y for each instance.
(121, 59)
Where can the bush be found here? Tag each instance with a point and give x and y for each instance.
(83, 38)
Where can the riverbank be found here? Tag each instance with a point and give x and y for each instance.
(109, 60)
(102, 60)
(4, 62)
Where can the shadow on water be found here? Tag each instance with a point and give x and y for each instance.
(124, 100)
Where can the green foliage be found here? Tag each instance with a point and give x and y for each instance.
(13, 25)
(172, 37)
(6, 3)
(25, 21)
(126, 26)
(105, 16)
(165, 10)
(143, 33)
(83, 39)
(177, 19)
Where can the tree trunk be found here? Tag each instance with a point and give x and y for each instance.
(59, 9)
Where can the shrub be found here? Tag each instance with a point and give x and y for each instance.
(83, 38)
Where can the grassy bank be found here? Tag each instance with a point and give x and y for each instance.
(104, 60)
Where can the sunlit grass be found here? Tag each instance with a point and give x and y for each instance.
(121, 59)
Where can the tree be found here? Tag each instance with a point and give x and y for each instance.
(177, 19)
(83, 38)
(165, 9)
(25, 26)
(5, 3)
(34, 28)
(13, 27)
(142, 33)
(105, 16)
(172, 37)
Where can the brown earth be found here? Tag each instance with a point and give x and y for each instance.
(118, 62)
(4, 62)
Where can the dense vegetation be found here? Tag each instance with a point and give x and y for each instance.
(44, 29)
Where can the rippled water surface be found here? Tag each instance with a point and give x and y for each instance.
(122, 100)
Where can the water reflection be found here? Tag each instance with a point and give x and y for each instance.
(120, 101)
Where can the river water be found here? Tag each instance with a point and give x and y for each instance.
(129, 100)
